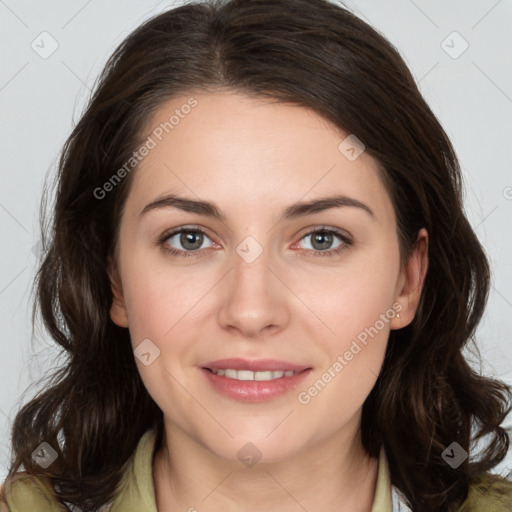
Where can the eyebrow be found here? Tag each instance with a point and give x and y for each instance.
(293, 211)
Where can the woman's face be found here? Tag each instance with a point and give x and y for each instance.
(256, 292)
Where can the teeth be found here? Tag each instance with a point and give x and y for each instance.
(248, 375)
(263, 376)
(245, 375)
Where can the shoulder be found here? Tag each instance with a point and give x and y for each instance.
(26, 493)
(488, 492)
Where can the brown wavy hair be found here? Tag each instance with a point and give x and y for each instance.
(311, 53)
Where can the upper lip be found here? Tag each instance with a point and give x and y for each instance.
(256, 365)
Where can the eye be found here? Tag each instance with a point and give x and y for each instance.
(191, 239)
(322, 238)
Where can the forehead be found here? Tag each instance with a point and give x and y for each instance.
(247, 152)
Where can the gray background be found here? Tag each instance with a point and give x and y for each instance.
(41, 99)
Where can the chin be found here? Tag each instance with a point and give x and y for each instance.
(255, 447)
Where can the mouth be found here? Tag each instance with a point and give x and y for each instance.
(253, 380)
(231, 373)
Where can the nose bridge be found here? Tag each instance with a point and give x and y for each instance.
(253, 299)
(251, 270)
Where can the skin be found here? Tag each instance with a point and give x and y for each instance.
(253, 158)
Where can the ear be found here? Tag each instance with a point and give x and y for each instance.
(411, 280)
(118, 312)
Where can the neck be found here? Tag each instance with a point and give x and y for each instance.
(189, 477)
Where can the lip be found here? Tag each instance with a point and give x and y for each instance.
(251, 390)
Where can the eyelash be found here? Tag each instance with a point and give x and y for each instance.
(347, 242)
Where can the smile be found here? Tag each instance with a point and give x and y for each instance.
(260, 380)
(249, 375)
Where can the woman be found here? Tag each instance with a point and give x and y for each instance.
(305, 351)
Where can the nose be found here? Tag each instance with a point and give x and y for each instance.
(255, 299)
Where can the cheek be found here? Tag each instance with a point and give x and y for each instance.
(354, 296)
(356, 308)
(159, 296)
(352, 361)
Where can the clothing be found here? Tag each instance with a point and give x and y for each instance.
(136, 494)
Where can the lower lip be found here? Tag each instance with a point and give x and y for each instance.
(254, 390)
